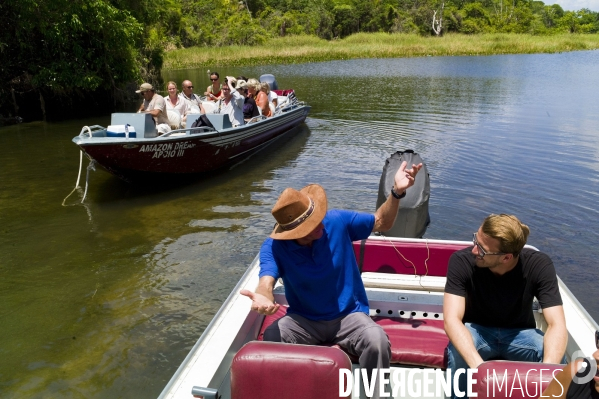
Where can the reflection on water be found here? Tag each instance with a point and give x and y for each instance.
(105, 299)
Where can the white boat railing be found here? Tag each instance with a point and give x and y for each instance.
(189, 131)
(88, 131)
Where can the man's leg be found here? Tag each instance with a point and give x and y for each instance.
(360, 336)
(523, 345)
(163, 128)
(295, 329)
(483, 339)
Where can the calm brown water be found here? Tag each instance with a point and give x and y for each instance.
(105, 299)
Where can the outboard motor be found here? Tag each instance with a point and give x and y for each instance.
(270, 79)
(412, 217)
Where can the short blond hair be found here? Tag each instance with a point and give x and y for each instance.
(265, 87)
(508, 230)
(254, 83)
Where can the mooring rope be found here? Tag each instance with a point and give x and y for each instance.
(91, 166)
(80, 165)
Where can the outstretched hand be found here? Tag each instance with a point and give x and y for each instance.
(260, 303)
(405, 178)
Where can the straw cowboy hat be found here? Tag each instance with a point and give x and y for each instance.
(298, 213)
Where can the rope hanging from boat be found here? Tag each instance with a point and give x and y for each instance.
(428, 255)
(90, 166)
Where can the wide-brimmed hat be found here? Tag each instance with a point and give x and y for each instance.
(145, 87)
(231, 80)
(298, 213)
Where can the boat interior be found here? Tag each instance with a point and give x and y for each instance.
(404, 280)
(141, 125)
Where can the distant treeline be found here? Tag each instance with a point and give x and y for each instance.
(248, 22)
(81, 57)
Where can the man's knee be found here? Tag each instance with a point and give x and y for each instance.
(375, 339)
(526, 345)
(273, 333)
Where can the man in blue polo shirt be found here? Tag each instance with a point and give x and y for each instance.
(311, 249)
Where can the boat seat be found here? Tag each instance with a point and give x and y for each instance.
(264, 370)
(514, 380)
(419, 342)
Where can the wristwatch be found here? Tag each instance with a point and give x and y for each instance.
(397, 196)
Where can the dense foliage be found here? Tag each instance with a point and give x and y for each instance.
(68, 50)
(70, 54)
(247, 22)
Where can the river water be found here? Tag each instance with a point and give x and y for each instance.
(104, 299)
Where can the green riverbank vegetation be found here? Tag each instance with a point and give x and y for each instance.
(297, 49)
(78, 57)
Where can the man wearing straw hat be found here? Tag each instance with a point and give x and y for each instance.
(154, 105)
(311, 249)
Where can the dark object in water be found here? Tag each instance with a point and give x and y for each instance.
(412, 217)
(10, 120)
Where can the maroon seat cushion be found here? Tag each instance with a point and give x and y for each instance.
(420, 342)
(416, 342)
(514, 380)
(268, 320)
(263, 370)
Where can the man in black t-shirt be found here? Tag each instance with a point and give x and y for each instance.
(488, 300)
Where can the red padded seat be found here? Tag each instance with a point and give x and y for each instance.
(514, 380)
(268, 320)
(419, 342)
(416, 342)
(264, 370)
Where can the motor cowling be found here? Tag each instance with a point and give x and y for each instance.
(270, 79)
(412, 217)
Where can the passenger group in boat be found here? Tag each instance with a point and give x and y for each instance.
(488, 300)
(240, 98)
(310, 249)
(154, 105)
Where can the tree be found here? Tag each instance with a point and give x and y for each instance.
(67, 48)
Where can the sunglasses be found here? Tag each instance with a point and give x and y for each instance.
(189, 87)
(214, 80)
(597, 339)
(481, 251)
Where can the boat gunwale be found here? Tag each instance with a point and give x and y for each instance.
(216, 320)
(85, 141)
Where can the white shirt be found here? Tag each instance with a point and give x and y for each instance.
(182, 106)
(272, 96)
(234, 109)
(193, 102)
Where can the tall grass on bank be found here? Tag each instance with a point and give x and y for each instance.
(299, 49)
